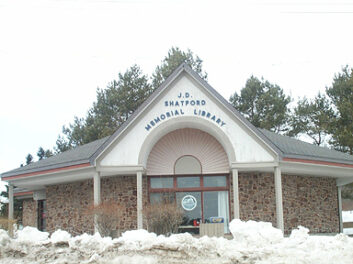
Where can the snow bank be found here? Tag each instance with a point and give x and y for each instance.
(257, 233)
(253, 242)
(4, 237)
(31, 234)
(60, 236)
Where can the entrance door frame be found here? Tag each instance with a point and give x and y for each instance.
(201, 189)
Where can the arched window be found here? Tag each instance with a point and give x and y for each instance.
(187, 165)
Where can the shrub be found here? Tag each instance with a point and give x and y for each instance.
(164, 217)
(7, 225)
(108, 216)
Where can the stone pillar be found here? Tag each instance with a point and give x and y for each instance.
(96, 196)
(236, 193)
(279, 201)
(139, 200)
(339, 194)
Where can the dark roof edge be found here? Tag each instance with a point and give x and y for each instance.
(318, 158)
(45, 168)
(110, 140)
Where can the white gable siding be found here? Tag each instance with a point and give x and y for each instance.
(246, 147)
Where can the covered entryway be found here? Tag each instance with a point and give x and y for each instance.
(190, 166)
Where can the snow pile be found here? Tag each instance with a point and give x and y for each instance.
(4, 237)
(60, 237)
(31, 234)
(255, 233)
(253, 242)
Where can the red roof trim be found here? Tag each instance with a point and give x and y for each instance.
(318, 162)
(22, 193)
(47, 171)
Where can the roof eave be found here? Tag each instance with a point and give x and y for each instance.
(45, 170)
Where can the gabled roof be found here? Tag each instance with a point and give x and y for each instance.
(294, 148)
(285, 147)
(183, 67)
(78, 155)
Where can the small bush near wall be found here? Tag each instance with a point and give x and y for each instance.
(7, 225)
(163, 218)
(108, 216)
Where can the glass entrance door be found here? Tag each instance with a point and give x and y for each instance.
(192, 206)
(215, 205)
(202, 197)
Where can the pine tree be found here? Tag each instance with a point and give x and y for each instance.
(264, 104)
(41, 153)
(172, 61)
(341, 95)
(312, 118)
(120, 99)
(29, 159)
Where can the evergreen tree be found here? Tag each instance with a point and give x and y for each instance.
(312, 118)
(172, 61)
(48, 153)
(341, 95)
(41, 153)
(264, 104)
(29, 159)
(120, 99)
(112, 107)
(62, 144)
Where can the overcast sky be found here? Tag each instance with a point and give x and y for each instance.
(54, 54)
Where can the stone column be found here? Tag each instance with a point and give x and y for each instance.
(96, 196)
(339, 194)
(236, 193)
(139, 200)
(279, 201)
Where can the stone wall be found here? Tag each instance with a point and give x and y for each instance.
(67, 207)
(307, 201)
(68, 204)
(29, 213)
(256, 197)
(123, 190)
(311, 202)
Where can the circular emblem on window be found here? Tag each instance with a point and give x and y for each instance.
(189, 202)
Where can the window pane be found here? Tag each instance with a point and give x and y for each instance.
(161, 182)
(160, 197)
(191, 204)
(188, 182)
(187, 165)
(215, 181)
(215, 204)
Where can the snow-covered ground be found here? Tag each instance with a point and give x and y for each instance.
(253, 242)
